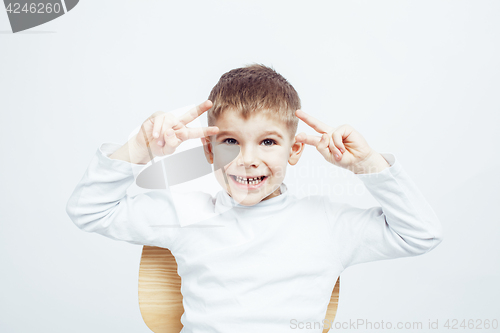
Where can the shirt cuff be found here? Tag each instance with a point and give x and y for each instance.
(108, 148)
(394, 168)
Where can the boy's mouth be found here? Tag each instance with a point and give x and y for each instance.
(249, 181)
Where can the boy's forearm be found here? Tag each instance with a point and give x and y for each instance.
(374, 164)
(130, 152)
(100, 203)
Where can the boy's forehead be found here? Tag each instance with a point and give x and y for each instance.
(234, 119)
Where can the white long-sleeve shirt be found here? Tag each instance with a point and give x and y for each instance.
(256, 268)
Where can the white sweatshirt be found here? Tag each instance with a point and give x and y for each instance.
(258, 268)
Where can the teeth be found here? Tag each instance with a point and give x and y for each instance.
(248, 181)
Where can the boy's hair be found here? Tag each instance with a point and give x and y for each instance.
(255, 88)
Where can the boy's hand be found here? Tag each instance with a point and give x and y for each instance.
(342, 146)
(163, 132)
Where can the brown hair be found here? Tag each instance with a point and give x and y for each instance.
(255, 88)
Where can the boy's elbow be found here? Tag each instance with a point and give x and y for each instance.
(431, 243)
(71, 211)
(74, 213)
(70, 208)
(425, 242)
(438, 236)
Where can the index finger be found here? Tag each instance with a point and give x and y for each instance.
(201, 132)
(316, 124)
(308, 139)
(195, 112)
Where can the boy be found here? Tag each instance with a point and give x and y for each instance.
(275, 258)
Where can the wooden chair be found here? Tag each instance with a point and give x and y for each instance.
(160, 298)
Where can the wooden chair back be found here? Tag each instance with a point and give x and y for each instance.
(160, 298)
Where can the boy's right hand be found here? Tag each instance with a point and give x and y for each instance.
(163, 132)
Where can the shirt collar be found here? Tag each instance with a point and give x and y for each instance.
(224, 202)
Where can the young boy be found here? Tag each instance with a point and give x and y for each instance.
(272, 258)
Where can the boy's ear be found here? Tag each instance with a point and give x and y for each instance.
(208, 149)
(295, 152)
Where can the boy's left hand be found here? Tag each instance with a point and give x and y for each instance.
(342, 146)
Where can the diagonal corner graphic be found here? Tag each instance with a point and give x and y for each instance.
(26, 14)
(185, 166)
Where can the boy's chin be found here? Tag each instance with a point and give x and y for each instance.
(250, 199)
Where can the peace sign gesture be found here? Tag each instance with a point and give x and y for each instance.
(163, 132)
(342, 146)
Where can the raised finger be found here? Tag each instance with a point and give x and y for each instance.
(316, 124)
(195, 112)
(200, 132)
(308, 139)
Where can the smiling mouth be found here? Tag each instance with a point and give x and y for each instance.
(248, 181)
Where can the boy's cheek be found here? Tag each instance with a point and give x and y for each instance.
(279, 171)
(219, 176)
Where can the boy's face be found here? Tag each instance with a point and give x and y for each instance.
(265, 149)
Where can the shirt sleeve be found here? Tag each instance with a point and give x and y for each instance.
(403, 225)
(100, 204)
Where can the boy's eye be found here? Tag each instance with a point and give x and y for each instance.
(265, 140)
(269, 140)
(225, 140)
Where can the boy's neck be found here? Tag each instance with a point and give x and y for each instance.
(281, 192)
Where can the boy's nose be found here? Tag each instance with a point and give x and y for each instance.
(248, 157)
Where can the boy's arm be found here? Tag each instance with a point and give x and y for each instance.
(100, 203)
(404, 224)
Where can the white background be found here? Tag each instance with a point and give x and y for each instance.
(419, 79)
